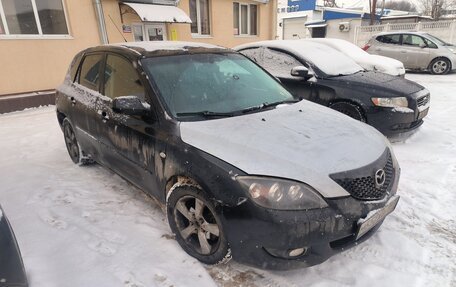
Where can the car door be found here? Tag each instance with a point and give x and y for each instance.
(415, 51)
(129, 140)
(84, 102)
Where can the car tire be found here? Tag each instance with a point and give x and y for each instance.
(74, 149)
(440, 66)
(194, 220)
(350, 110)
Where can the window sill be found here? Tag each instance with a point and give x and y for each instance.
(36, 37)
(198, 36)
(246, 36)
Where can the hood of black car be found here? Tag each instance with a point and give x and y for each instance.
(304, 141)
(373, 81)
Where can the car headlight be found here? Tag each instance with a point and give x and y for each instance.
(391, 102)
(281, 194)
(452, 49)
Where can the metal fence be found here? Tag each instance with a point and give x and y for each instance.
(445, 30)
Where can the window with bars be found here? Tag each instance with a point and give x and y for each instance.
(199, 14)
(32, 17)
(245, 19)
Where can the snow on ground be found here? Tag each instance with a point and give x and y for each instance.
(85, 226)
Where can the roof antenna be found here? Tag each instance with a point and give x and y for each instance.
(117, 28)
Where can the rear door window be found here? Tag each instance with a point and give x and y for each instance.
(122, 79)
(89, 76)
(390, 39)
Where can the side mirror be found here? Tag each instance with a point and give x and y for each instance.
(301, 72)
(423, 45)
(129, 105)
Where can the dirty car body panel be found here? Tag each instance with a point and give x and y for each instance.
(12, 272)
(299, 143)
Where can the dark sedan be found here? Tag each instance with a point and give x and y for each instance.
(323, 75)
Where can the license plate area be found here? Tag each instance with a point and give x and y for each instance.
(374, 217)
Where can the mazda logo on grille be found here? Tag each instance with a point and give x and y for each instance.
(380, 177)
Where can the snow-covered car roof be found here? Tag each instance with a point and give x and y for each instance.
(326, 59)
(361, 57)
(152, 47)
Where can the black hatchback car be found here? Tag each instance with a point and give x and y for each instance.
(325, 76)
(244, 170)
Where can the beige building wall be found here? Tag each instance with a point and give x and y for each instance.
(40, 63)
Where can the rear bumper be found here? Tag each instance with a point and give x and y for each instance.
(263, 238)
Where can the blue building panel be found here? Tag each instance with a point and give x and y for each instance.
(331, 15)
(301, 5)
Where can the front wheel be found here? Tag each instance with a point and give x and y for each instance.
(440, 66)
(350, 110)
(197, 225)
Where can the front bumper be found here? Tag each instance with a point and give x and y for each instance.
(255, 233)
(395, 121)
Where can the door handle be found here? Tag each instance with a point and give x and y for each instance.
(403, 52)
(73, 101)
(104, 116)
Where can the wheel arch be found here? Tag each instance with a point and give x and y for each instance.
(351, 102)
(440, 57)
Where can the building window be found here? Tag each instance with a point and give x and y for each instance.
(32, 17)
(245, 19)
(199, 14)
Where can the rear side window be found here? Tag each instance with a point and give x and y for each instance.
(89, 76)
(390, 39)
(121, 79)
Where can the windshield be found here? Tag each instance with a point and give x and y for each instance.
(437, 40)
(212, 84)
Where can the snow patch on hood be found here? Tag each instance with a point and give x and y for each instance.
(305, 142)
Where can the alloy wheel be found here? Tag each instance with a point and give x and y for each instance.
(197, 225)
(71, 142)
(440, 67)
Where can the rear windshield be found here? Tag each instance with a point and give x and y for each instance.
(215, 82)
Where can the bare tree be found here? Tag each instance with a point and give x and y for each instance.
(401, 5)
(435, 8)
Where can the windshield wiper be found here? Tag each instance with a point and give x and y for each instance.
(268, 105)
(205, 114)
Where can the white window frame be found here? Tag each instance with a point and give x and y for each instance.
(40, 34)
(198, 21)
(248, 19)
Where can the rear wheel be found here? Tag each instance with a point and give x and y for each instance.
(72, 145)
(440, 66)
(195, 221)
(350, 110)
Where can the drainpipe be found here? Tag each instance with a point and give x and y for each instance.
(101, 22)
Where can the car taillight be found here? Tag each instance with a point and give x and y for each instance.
(367, 46)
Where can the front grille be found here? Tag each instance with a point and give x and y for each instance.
(364, 188)
(423, 101)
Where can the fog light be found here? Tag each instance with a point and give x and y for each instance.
(297, 252)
